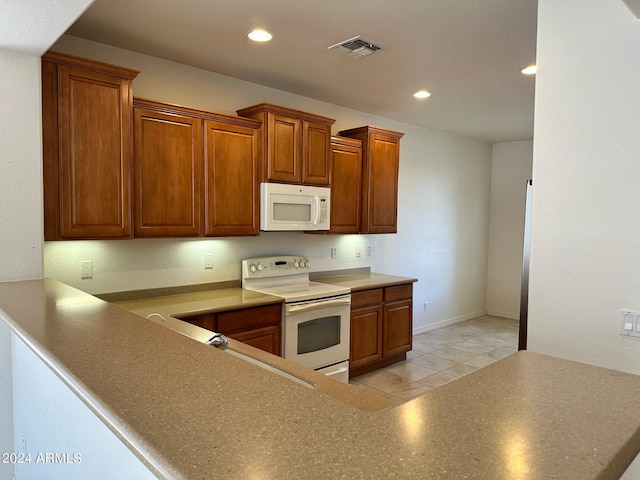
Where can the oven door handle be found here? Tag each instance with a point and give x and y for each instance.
(317, 305)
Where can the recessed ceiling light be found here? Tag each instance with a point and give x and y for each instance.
(530, 70)
(422, 94)
(259, 35)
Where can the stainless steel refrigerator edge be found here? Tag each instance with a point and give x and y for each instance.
(524, 286)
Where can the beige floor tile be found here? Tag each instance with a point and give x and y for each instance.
(410, 391)
(384, 381)
(434, 362)
(499, 353)
(437, 380)
(454, 354)
(480, 361)
(473, 347)
(459, 370)
(419, 346)
(490, 340)
(410, 370)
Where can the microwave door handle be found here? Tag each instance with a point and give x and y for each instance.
(316, 305)
(316, 209)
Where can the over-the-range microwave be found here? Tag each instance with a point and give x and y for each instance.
(286, 207)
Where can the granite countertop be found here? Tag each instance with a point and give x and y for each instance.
(198, 303)
(526, 416)
(362, 281)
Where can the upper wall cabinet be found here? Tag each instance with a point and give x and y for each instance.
(346, 185)
(196, 172)
(296, 145)
(232, 157)
(87, 148)
(381, 157)
(168, 171)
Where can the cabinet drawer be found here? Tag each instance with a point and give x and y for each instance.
(366, 297)
(248, 318)
(397, 293)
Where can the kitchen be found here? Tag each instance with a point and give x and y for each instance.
(27, 220)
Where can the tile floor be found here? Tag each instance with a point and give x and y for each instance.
(442, 355)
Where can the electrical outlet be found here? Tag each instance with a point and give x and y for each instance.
(334, 253)
(208, 261)
(368, 250)
(426, 306)
(86, 269)
(358, 252)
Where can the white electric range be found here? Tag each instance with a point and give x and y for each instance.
(316, 316)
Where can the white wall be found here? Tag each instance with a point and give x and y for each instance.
(443, 206)
(20, 203)
(585, 251)
(510, 169)
(20, 160)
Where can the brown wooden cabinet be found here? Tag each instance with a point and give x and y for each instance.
(381, 157)
(87, 148)
(381, 327)
(168, 171)
(256, 326)
(296, 145)
(232, 192)
(196, 172)
(346, 185)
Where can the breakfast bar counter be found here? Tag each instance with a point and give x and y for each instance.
(190, 411)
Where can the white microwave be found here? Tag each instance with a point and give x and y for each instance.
(286, 207)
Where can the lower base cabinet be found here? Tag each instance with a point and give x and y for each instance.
(381, 327)
(255, 326)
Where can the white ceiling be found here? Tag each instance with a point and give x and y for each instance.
(31, 27)
(467, 53)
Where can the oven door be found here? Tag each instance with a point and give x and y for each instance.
(316, 332)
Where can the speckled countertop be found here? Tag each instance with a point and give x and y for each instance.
(198, 303)
(527, 416)
(362, 281)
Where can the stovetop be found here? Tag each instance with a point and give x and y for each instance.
(286, 276)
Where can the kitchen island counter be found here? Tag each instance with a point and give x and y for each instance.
(201, 413)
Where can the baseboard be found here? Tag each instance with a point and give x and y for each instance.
(450, 321)
(511, 315)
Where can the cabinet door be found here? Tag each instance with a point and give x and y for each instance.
(366, 336)
(168, 164)
(232, 188)
(206, 321)
(381, 187)
(346, 188)
(267, 339)
(316, 140)
(397, 331)
(284, 148)
(95, 154)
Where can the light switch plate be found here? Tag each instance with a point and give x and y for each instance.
(630, 323)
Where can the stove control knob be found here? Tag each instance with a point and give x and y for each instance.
(252, 268)
(295, 263)
(260, 267)
(307, 263)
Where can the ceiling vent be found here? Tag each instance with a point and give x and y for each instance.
(355, 47)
